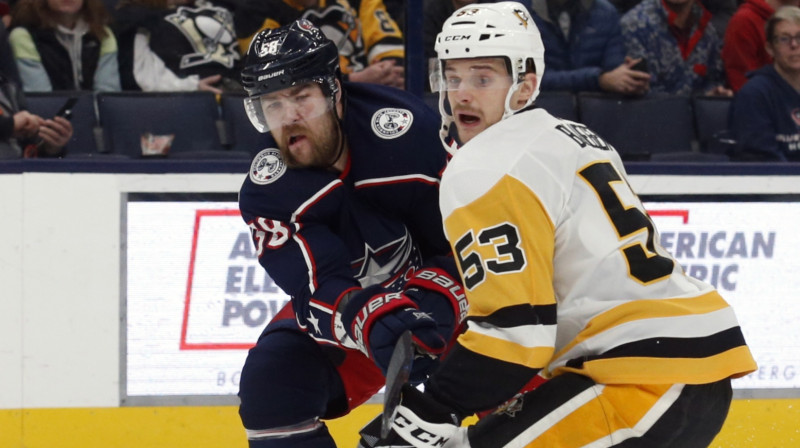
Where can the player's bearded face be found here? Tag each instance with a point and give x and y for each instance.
(476, 89)
(302, 121)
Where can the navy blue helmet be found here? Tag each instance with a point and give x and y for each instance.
(290, 55)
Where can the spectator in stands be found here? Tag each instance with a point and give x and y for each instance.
(5, 13)
(765, 114)
(584, 48)
(744, 48)
(18, 127)
(64, 45)
(681, 46)
(370, 42)
(177, 45)
(721, 10)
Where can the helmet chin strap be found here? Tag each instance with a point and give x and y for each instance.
(340, 131)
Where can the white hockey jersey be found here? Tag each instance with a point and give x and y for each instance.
(563, 271)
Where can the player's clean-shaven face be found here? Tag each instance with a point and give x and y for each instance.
(785, 47)
(476, 90)
(303, 124)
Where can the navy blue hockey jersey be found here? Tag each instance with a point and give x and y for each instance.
(320, 234)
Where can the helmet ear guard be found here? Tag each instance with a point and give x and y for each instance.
(285, 57)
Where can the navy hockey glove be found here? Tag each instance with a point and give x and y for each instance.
(375, 319)
(439, 293)
(424, 422)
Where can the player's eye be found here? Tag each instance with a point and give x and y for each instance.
(273, 106)
(483, 81)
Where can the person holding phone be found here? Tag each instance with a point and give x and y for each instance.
(64, 45)
(584, 48)
(19, 128)
(681, 44)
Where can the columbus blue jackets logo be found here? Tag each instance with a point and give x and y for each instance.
(391, 123)
(267, 167)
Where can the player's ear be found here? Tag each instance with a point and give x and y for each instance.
(339, 98)
(526, 89)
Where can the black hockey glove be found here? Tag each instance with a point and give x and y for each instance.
(426, 423)
(375, 319)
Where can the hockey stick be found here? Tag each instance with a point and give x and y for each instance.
(396, 375)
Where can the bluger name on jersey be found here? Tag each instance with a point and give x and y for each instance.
(583, 136)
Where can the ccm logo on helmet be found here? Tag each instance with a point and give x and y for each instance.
(449, 38)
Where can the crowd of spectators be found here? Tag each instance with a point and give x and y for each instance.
(622, 47)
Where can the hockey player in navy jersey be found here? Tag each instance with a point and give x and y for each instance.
(343, 211)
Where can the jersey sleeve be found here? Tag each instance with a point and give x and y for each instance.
(383, 38)
(290, 224)
(503, 242)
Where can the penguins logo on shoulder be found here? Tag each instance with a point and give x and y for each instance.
(267, 166)
(391, 123)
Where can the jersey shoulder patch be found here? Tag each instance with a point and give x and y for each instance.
(390, 122)
(267, 167)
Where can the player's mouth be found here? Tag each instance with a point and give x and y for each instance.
(468, 119)
(295, 140)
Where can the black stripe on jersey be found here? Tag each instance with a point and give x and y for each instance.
(672, 347)
(519, 315)
(470, 382)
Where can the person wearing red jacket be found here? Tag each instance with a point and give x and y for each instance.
(743, 49)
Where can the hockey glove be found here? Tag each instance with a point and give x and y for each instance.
(425, 423)
(375, 319)
(439, 293)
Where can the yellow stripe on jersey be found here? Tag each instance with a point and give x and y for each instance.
(508, 230)
(629, 411)
(499, 349)
(735, 363)
(525, 265)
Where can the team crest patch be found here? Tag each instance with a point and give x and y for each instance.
(391, 123)
(267, 166)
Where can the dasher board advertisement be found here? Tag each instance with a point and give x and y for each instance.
(196, 298)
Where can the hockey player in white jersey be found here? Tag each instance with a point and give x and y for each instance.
(564, 274)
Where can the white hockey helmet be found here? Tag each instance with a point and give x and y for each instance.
(503, 29)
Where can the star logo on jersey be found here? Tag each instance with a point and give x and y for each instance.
(314, 321)
(387, 264)
(267, 166)
(389, 123)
